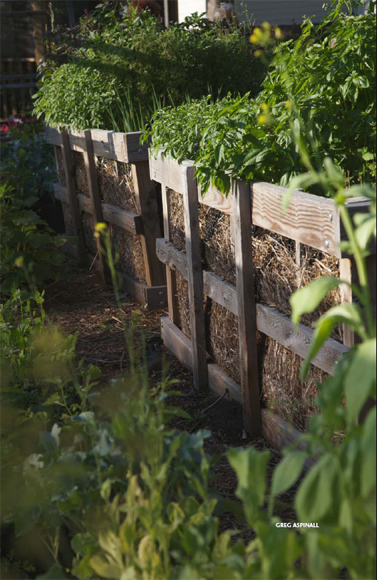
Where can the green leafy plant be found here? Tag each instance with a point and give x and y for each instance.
(326, 79)
(128, 63)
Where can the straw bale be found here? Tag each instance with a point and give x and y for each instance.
(183, 305)
(131, 258)
(88, 229)
(60, 166)
(116, 184)
(277, 277)
(80, 174)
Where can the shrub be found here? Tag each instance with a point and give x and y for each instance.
(28, 246)
(132, 58)
(323, 82)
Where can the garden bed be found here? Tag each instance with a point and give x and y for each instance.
(127, 200)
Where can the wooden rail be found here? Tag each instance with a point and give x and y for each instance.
(309, 220)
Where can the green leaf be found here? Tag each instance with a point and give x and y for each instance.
(361, 379)
(54, 573)
(348, 314)
(368, 447)
(307, 299)
(287, 472)
(316, 496)
(250, 466)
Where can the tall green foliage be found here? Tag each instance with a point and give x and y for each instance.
(326, 79)
(132, 58)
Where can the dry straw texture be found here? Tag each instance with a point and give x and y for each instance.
(116, 188)
(277, 276)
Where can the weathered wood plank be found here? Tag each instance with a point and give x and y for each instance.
(174, 259)
(123, 147)
(310, 219)
(111, 213)
(95, 198)
(69, 170)
(167, 172)
(247, 317)
(171, 278)
(195, 277)
(270, 321)
(146, 196)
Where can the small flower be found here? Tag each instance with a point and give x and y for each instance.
(19, 262)
(254, 39)
(101, 227)
(264, 107)
(278, 33)
(288, 105)
(258, 53)
(266, 26)
(262, 119)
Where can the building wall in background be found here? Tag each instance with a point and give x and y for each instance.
(187, 7)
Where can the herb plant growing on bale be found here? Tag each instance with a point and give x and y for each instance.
(328, 75)
(132, 58)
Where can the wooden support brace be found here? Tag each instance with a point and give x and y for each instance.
(69, 170)
(346, 267)
(171, 276)
(195, 277)
(247, 319)
(145, 191)
(95, 197)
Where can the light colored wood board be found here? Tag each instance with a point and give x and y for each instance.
(195, 279)
(111, 213)
(171, 277)
(346, 294)
(122, 218)
(176, 342)
(214, 198)
(167, 171)
(247, 315)
(310, 219)
(95, 199)
(280, 328)
(221, 291)
(69, 170)
(278, 433)
(146, 196)
(270, 321)
(171, 257)
(123, 147)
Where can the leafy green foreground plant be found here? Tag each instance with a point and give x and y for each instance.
(28, 246)
(132, 498)
(327, 77)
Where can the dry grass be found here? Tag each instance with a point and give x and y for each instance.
(131, 257)
(277, 277)
(116, 184)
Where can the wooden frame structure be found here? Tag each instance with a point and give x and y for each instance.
(125, 148)
(309, 220)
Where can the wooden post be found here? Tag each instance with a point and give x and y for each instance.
(247, 322)
(171, 276)
(94, 193)
(145, 191)
(195, 277)
(69, 170)
(346, 267)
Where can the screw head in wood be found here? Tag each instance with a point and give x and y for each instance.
(327, 244)
(331, 217)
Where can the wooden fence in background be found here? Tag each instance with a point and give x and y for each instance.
(124, 148)
(310, 220)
